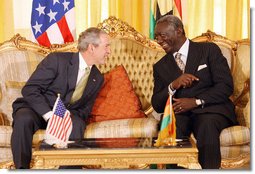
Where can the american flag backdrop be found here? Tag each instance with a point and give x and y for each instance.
(53, 21)
(60, 124)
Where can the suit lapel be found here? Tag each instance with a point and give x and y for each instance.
(92, 81)
(193, 59)
(72, 74)
(171, 67)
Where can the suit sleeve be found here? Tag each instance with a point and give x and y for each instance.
(160, 93)
(222, 81)
(38, 83)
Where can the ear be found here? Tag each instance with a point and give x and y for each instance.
(179, 31)
(91, 47)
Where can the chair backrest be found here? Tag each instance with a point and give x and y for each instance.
(18, 59)
(242, 82)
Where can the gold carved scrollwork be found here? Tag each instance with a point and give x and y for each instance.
(115, 27)
(7, 165)
(235, 163)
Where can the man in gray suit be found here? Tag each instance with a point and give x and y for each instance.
(198, 77)
(59, 73)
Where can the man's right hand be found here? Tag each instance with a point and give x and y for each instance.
(185, 81)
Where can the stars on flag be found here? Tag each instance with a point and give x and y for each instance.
(52, 15)
(37, 27)
(40, 9)
(65, 4)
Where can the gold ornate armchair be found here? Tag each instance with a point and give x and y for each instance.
(235, 141)
(19, 57)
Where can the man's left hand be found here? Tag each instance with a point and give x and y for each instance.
(181, 105)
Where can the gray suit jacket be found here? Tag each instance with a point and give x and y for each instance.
(215, 83)
(57, 74)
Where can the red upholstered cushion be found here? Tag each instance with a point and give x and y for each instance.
(116, 99)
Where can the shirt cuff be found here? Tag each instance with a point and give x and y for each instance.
(47, 115)
(170, 89)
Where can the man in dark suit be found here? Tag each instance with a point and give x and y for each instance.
(59, 73)
(198, 77)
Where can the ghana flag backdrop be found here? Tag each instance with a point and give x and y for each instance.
(163, 7)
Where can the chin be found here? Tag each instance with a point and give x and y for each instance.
(169, 50)
(103, 62)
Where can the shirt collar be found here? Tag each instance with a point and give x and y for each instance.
(82, 63)
(184, 49)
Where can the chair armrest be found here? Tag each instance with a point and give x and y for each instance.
(0, 93)
(3, 120)
(148, 111)
(245, 90)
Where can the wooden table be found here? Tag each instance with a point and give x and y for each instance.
(117, 153)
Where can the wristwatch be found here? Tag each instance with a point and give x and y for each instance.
(200, 102)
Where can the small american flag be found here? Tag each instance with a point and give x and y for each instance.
(53, 21)
(60, 124)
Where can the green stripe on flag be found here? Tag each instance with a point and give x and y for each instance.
(152, 18)
(165, 122)
(152, 25)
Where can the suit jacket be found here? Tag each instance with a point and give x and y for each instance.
(215, 84)
(57, 73)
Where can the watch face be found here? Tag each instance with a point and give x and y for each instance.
(198, 102)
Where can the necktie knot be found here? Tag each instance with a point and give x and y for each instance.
(87, 70)
(178, 56)
(179, 62)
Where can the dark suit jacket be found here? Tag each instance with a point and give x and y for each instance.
(57, 73)
(215, 83)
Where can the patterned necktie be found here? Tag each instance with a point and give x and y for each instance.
(80, 86)
(179, 62)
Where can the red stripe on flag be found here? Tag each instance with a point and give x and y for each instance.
(59, 128)
(64, 29)
(56, 127)
(53, 123)
(53, 128)
(68, 123)
(44, 40)
(64, 126)
(179, 6)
